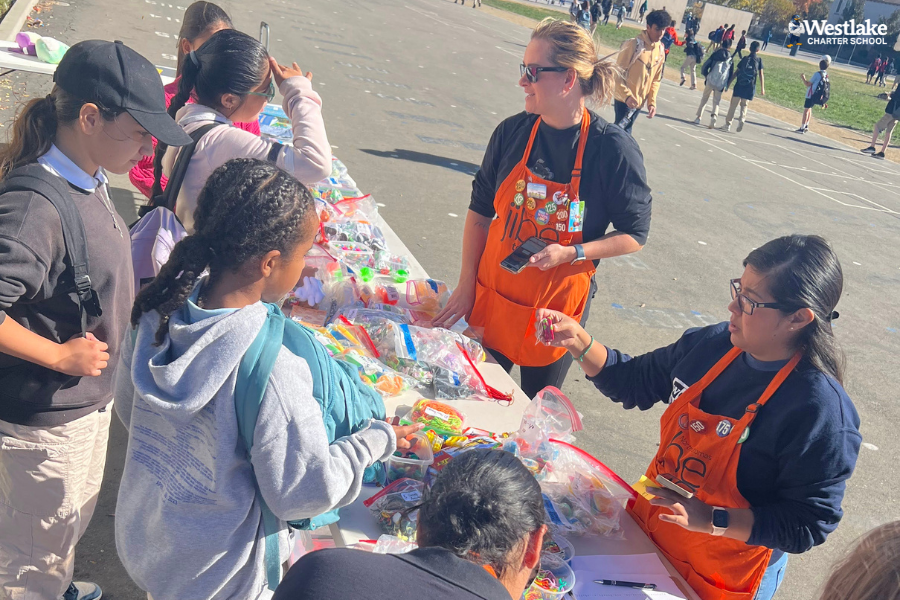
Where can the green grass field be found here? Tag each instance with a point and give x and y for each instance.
(853, 104)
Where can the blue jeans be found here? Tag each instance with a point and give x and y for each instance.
(772, 579)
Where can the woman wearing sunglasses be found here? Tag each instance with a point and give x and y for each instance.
(557, 172)
(758, 426)
(231, 78)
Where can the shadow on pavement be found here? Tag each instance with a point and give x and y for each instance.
(823, 146)
(425, 158)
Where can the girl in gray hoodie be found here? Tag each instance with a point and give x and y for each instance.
(189, 521)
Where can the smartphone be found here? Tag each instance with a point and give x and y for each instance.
(675, 488)
(518, 260)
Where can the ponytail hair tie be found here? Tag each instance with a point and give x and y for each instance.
(194, 59)
(834, 315)
(51, 100)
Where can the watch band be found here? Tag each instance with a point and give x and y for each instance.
(719, 531)
(579, 254)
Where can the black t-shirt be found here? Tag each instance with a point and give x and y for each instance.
(345, 574)
(613, 180)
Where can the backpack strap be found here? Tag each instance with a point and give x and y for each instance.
(252, 380)
(35, 178)
(170, 195)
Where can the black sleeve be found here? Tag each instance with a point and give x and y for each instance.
(642, 381)
(484, 186)
(625, 190)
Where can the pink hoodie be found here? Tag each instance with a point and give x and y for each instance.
(141, 175)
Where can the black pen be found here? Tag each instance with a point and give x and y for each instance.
(629, 584)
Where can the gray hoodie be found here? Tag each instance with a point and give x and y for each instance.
(188, 522)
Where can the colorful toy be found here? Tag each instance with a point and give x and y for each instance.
(412, 462)
(50, 50)
(544, 331)
(440, 417)
(26, 41)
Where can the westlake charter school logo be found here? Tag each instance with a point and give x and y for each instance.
(823, 33)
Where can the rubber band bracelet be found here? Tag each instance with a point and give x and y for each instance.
(586, 350)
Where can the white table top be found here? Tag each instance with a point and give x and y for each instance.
(357, 523)
(31, 64)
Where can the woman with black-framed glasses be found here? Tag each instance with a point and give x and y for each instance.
(557, 172)
(758, 427)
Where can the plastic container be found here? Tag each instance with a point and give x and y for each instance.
(411, 463)
(554, 580)
(558, 546)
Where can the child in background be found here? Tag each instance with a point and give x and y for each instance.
(200, 21)
(232, 78)
(812, 84)
(193, 528)
(620, 16)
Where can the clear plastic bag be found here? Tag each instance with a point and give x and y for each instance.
(396, 507)
(390, 544)
(550, 415)
(347, 235)
(434, 357)
(437, 416)
(362, 208)
(582, 495)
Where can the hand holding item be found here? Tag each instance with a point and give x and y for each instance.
(567, 333)
(552, 256)
(690, 513)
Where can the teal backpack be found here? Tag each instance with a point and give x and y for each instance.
(347, 405)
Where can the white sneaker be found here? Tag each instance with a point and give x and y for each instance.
(726, 128)
(712, 124)
(83, 590)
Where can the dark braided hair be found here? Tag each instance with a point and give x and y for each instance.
(230, 62)
(247, 208)
(481, 506)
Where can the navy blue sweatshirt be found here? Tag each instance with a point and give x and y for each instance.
(802, 446)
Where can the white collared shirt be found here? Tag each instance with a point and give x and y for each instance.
(61, 165)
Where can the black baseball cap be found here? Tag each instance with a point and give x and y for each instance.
(114, 76)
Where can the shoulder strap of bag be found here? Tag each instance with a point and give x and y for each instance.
(36, 178)
(252, 380)
(179, 170)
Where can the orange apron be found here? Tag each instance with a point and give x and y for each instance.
(505, 303)
(700, 452)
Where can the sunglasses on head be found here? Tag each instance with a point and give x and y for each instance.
(269, 94)
(532, 72)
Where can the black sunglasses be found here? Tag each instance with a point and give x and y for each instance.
(747, 305)
(531, 72)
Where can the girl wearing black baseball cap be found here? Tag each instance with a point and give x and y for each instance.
(65, 295)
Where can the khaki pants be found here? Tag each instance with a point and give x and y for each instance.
(690, 63)
(717, 97)
(741, 115)
(49, 482)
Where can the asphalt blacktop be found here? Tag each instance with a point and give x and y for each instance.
(412, 91)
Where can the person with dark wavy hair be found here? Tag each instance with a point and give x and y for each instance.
(189, 519)
(758, 425)
(480, 532)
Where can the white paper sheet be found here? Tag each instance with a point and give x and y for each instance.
(643, 568)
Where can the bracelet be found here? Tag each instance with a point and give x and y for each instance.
(586, 350)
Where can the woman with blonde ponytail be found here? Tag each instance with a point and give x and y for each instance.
(559, 173)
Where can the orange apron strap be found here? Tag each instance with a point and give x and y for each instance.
(782, 374)
(575, 181)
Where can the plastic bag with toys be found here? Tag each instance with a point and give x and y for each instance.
(396, 507)
(582, 495)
